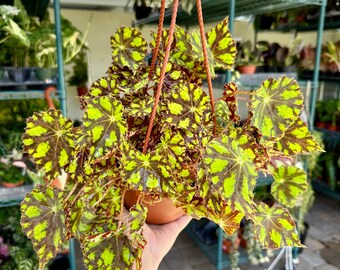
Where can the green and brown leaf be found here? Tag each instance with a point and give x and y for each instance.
(297, 140)
(104, 125)
(49, 140)
(128, 47)
(289, 183)
(274, 227)
(276, 106)
(43, 221)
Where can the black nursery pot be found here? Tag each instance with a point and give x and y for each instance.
(142, 11)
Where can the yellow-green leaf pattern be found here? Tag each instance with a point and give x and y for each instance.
(43, 221)
(128, 47)
(222, 46)
(110, 248)
(289, 183)
(148, 172)
(276, 106)
(230, 170)
(274, 227)
(104, 86)
(187, 106)
(48, 136)
(297, 140)
(104, 125)
(229, 98)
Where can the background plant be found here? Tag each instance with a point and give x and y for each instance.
(196, 152)
(20, 253)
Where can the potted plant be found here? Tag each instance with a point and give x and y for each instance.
(14, 41)
(152, 130)
(11, 174)
(79, 76)
(332, 56)
(247, 59)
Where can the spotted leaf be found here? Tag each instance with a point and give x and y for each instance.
(43, 221)
(49, 140)
(228, 219)
(274, 227)
(222, 46)
(145, 172)
(230, 170)
(104, 86)
(188, 106)
(104, 125)
(116, 245)
(197, 50)
(289, 183)
(297, 140)
(229, 98)
(276, 106)
(140, 107)
(128, 47)
(172, 146)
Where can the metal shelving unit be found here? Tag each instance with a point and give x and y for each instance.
(16, 195)
(214, 11)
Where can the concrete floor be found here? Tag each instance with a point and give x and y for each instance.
(322, 252)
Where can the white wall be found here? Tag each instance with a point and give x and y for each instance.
(103, 25)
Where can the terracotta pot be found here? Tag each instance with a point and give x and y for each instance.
(82, 90)
(158, 213)
(247, 69)
(12, 185)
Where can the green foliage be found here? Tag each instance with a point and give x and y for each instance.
(207, 175)
(10, 173)
(21, 253)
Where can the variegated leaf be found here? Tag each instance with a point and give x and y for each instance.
(230, 99)
(228, 219)
(104, 86)
(230, 170)
(274, 227)
(129, 47)
(183, 52)
(222, 114)
(197, 50)
(289, 183)
(144, 172)
(222, 46)
(163, 44)
(188, 106)
(172, 146)
(276, 106)
(297, 140)
(116, 245)
(49, 140)
(140, 108)
(43, 221)
(104, 125)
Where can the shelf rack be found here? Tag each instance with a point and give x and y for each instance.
(216, 10)
(19, 194)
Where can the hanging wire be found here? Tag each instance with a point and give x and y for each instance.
(288, 251)
(206, 61)
(162, 74)
(158, 41)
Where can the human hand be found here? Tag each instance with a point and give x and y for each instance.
(160, 239)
